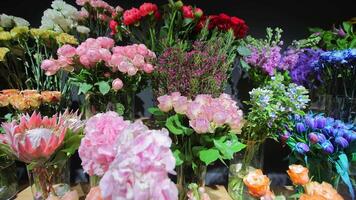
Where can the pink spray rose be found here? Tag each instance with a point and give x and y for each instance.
(117, 84)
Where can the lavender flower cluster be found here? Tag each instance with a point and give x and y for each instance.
(316, 132)
(302, 73)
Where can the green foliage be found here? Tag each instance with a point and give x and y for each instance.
(104, 87)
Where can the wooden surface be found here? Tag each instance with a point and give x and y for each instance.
(216, 193)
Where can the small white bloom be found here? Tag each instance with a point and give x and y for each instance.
(21, 21)
(5, 21)
(83, 29)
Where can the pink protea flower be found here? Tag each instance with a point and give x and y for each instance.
(97, 149)
(34, 137)
(140, 169)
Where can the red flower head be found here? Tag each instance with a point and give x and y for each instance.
(131, 16)
(188, 12)
(198, 12)
(158, 15)
(148, 9)
(225, 22)
(113, 25)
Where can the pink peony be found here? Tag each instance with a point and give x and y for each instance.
(117, 84)
(67, 51)
(34, 137)
(140, 169)
(97, 149)
(105, 42)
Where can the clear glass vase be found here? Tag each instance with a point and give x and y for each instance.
(249, 159)
(8, 179)
(186, 175)
(49, 180)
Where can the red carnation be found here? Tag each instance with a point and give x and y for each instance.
(113, 24)
(148, 9)
(225, 22)
(131, 16)
(188, 12)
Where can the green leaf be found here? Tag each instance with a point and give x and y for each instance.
(104, 87)
(8, 117)
(228, 147)
(175, 126)
(155, 111)
(84, 88)
(178, 156)
(353, 157)
(209, 156)
(120, 109)
(243, 51)
(347, 27)
(244, 65)
(71, 143)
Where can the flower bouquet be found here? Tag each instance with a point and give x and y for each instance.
(270, 108)
(99, 69)
(44, 144)
(203, 131)
(258, 186)
(163, 27)
(132, 164)
(325, 146)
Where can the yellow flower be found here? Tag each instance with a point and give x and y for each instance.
(5, 36)
(65, 38)
(1, 29)
(19, 31)
(3, 52)
(42, 33)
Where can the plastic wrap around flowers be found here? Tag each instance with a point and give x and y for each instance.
(98, 148)
(314, 132)
(125, 59)
(140, 169)
(205, 113)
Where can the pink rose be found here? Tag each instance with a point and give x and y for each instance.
(131, 71)
(194, 109)
(138, 60)
(148, 68)
(84, 60)
(105, 55)
(181, 105)
(219, 118)
(165, 103)
(117, 84)
(50, 67)
(106, 42)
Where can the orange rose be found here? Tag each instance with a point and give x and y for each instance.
(324, 189)
(311, 197)
(257, 183)
(94, 194)
(28, 92)
(298, 174)
(32, 99)
(50, 96)
(10, 92)
(4, 100)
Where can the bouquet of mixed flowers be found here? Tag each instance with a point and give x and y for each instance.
(127, 156)
(100, 70)
(325, 145)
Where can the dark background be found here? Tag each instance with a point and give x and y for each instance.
(293, 16)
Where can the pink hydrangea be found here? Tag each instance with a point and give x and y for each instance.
(205, 113)
(140, 169)
(98, 148)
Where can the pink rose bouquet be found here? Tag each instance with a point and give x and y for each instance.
(141, 166)
(203, 130)
(104, 71)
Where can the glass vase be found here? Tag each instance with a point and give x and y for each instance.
(249, 159)
(186, 175)
(8, 179)
(46, 180)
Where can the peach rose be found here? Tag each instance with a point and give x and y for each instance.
(4, 100)
(257, 183)
(50, 96)
(33, 100)
(311, 197)
(10, 92)
(94, 194)
(324, 189)
(18, 102)
(298, 174)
